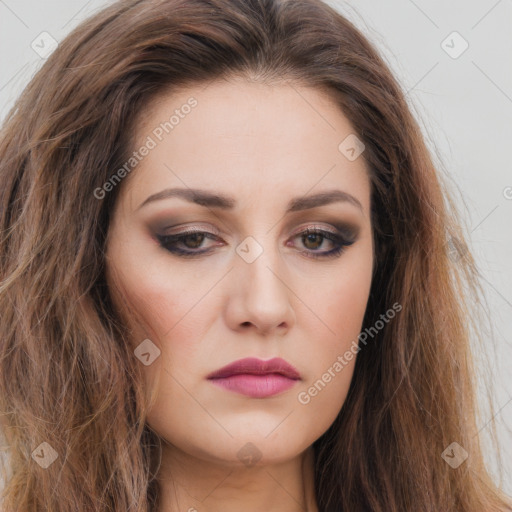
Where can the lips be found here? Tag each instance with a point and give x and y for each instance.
(254, 366)
(256, 378)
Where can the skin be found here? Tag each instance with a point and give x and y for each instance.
(263, 145)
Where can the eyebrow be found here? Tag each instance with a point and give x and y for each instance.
(212, 199)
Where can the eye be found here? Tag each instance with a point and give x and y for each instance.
(187, 243)
(315, 238)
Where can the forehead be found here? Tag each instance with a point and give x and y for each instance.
(245, 137)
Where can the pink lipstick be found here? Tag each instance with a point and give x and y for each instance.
(256, 378)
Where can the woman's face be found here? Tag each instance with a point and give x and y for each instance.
(252, 167)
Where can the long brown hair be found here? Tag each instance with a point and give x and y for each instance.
(68, 378)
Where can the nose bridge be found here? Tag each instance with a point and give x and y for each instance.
(260, 262)
(262, 290)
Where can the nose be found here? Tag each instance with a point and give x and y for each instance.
(260, 295)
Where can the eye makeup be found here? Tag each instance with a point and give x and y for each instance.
(190, 242)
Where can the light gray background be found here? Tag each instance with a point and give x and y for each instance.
(463, 104)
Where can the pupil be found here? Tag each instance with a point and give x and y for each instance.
(311, 238)
(196, 238)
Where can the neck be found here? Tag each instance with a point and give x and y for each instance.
(192, 484)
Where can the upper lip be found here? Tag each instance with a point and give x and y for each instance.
(254, 366)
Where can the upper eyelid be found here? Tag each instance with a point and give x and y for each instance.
(297, 232)
(338, 227)
(347, 238)
(340, 230)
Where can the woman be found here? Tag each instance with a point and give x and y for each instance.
(227, 274)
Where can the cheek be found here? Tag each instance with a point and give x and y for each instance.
(332, 353)
(345, 310)
(172, 309)
(340, 300)
(167, 311)
(154, 299)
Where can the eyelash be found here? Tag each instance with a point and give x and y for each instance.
(340, 242)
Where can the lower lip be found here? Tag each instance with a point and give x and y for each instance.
(256, 386)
